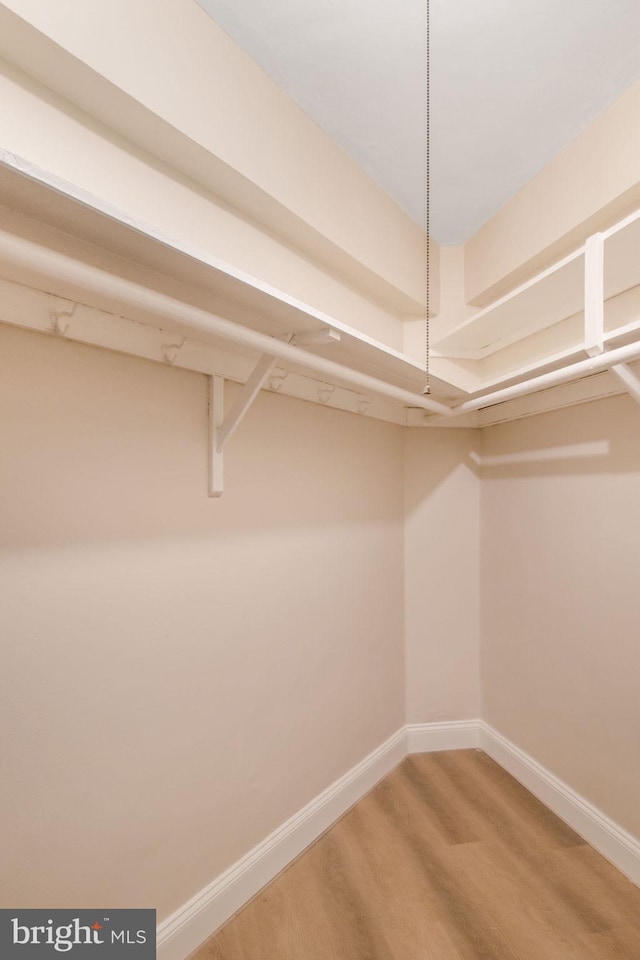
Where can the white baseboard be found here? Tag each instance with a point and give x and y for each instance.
(446, 735)
(180, 934)
(614, 843)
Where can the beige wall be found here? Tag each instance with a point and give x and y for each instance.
(561, 596)
(180, 674)
(442, 542)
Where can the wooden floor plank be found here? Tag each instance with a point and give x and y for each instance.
(525, 835)
(448, 858)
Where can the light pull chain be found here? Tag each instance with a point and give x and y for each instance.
(427, 204)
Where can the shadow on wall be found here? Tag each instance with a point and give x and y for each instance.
(587, 439)
(432, 456)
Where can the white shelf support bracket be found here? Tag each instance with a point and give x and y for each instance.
(216, 413)
(628, 379)
(245, 398)
(316, 338)
(594, 295)
(222, 428)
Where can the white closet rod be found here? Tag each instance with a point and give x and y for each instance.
(57, 266)
(574, 371)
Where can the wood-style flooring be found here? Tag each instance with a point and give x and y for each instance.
(449, 858)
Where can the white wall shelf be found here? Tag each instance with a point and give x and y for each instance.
(41, 208)
(540, 327)
(538, 337)
(543, 301)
